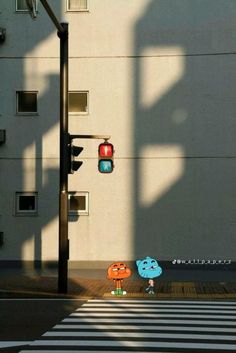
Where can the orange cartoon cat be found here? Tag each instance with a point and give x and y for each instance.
(117, 272)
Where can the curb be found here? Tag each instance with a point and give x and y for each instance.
(28, 294)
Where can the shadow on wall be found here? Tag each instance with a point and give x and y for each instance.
(184, 136)
(30, 131)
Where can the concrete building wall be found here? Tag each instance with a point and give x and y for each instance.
(161, 81)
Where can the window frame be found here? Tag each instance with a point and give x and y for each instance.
(68, 10)
(24, 11)
(78, 113)
(84, 212)
(18, 211)
(17, 102)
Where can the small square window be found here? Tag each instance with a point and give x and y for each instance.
(78, 102)
(78, 203)
(77, 5)
(22, 6)
(26, 203)
(26, 102)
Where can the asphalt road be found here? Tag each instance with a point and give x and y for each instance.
(27, 319)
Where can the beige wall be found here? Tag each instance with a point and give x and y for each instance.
(158, 88)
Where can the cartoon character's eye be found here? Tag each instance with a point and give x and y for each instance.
(145, 262)
(153, 261)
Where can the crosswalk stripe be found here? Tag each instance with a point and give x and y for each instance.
(144, 310)
(8, 344)
(147, 321)
(92, 306)
(126, 343)
(151, 301)
(86, 351)
(140, 335)
(95, 315)
(144, 328)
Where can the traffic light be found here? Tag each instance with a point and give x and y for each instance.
(74, 151)
(105, 154)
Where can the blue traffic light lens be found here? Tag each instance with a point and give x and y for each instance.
(105, 166)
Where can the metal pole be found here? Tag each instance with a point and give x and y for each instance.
(64, 140)
(49, 11)
(96, 137)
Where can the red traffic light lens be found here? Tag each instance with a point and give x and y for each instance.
(105, 150)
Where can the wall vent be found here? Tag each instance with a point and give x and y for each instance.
(2, 35)
(2, 136)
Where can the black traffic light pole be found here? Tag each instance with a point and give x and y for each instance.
(64, 140)
(62, 29)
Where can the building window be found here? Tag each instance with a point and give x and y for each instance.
(26, 203)
(78, 102)
(78, 203)
(77, 5)
(21, 5)
(26, 102)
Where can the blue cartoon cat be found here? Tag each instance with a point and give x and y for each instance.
(149, 268)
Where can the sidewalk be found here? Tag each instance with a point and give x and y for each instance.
(83, 284)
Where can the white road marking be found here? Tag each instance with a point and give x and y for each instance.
(82, 351)
(151, 301)
(140, 335)
(151, 321)
(134, 306)
(144, 328)
(154, 316)
(147, 310)
(124, 343)
(7, 344)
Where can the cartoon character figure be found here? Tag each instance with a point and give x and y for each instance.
(117, 272)
(149, 268)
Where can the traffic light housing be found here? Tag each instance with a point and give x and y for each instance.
(105, 154)
(73, 152)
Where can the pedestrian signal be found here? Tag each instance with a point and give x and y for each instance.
(105, 154)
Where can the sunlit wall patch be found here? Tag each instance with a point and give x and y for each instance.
(161, 68)
(161, 166)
